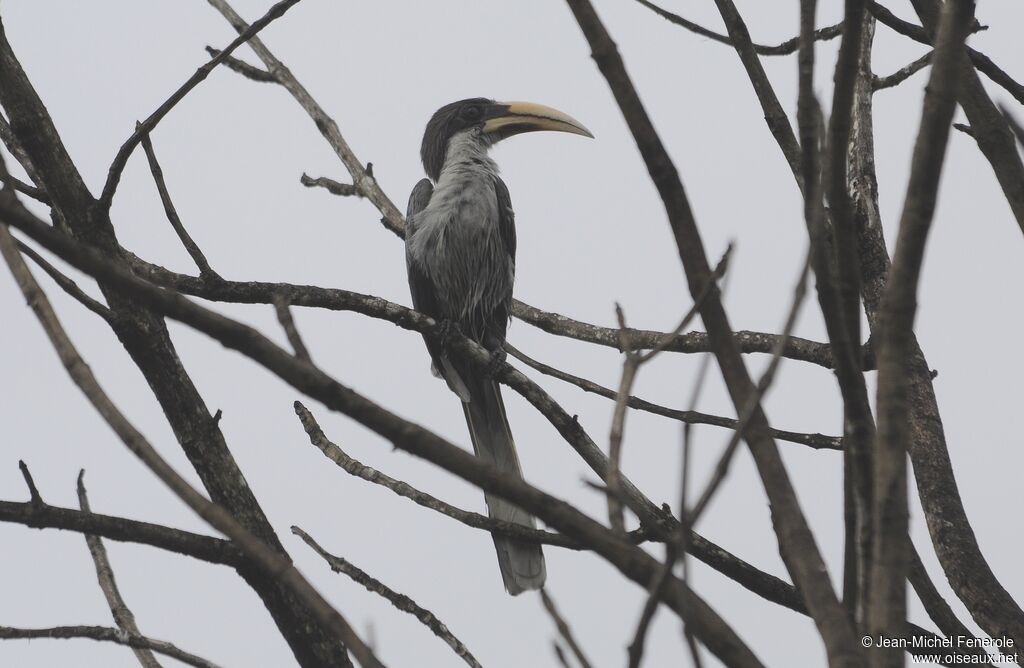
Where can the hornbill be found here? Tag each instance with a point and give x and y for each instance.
(460, 249)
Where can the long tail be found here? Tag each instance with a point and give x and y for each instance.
(521, 564)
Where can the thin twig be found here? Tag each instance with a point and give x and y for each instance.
(762, 584)
(66, 284)
(33, 492)
(635, 650)
(362, 178)
(774, 114)
(890, 565)
(691, 342)
(563, 661)
(123, 616)
(722, 468)
(245, 69)
(284, 316)
(172, 213)
(400, 601)
(19, 153)
(630, 366)
(261, 292)
(563, 629)
(40, 515)
(680, 548)
(783, 49)
(475, 520)
(1015, 125)
(982, 62)
(332, 186)
(38, 194)
(937, 608)
(687, 417)
(107, 634)
(146, 127)
(902, 74)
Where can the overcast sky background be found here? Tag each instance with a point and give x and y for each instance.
(592, 231)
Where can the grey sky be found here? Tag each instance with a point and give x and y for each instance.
(591, 232)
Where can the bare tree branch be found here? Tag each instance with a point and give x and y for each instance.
(902, 74)
(35, 499)
(954, 540)
(35, 193)
(261, 292)
(563, 629)
(284, 316)
(66, 284)
(475, 520)
(146, 339)
(937, 608)
(172, 213)
(362, 179)
(980, 60)
(107, 634)
(630, 367)
(262, 556)
(767, 378)
(400, 601)
(783, 49)
(991, 131)
(862, 188)
(689, 417)
(245, 69)
(39, 515)
(18, 151)
(331, 186)
(631, 561)
(837, 269)
(799, 551)
(563, 661)
(123, 616)
(774, 114)
(890, 564)
(760, 583)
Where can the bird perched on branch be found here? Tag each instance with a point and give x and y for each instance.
(460, 249)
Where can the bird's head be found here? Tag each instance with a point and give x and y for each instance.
(491, 122)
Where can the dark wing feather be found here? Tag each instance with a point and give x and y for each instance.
(422, 290)
(507, 229)
(506, 218)
(424, 299)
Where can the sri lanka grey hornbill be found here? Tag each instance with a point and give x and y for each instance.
(460, 249)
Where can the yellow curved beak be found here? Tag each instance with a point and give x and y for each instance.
(511, 118)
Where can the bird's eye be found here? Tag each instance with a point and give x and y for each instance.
(473, 113)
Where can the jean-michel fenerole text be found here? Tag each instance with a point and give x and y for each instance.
(935, 642)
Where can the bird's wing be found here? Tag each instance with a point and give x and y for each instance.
(506, 218)
(423, 298)
(507, 228)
